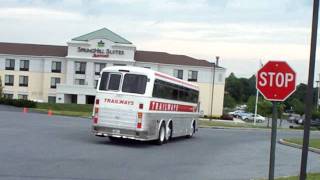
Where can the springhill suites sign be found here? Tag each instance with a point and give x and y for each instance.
(99, 52)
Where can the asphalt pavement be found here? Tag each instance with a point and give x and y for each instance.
(35, 146)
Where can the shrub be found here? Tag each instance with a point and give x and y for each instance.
(226, 117)
(18, 102)
(223, 117)
(66, 107)
(315, 115)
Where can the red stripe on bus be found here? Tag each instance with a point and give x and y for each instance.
(173, 79)
(160, 106)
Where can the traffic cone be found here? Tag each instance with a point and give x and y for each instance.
(25, 110)
(49, 112)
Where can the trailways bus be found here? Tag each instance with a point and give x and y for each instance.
(142, 104)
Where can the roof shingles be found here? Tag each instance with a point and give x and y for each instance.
(33, 49)
(62, 51)
(166, 58)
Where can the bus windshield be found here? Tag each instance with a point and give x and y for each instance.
(132, 83)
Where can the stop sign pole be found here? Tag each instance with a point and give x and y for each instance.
(276, 81)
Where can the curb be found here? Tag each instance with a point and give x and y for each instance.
(238, 128)
(243, 128)
(286, 143)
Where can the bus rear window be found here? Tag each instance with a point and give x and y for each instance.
(110, 81)
(133, 83)
(114, 82)
(104, 81)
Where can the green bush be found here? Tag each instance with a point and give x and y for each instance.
(222, 117)
(66, 107)
(315, 115)
(18, 102)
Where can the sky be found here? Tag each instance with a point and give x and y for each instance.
(242, 33)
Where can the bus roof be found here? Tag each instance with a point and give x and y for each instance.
(152, 73)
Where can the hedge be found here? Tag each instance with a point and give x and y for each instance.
(18, 102)
(222, 117)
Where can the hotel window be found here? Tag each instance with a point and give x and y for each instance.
(22, 96)
(8, 96)
(80, 67)
(178, 73)
(119, 64)
(51, 99)
(98, 68)
(8, 80)
(193, 76)
(10, 64)
(23, 81)
(56, 67)
(79, 82)
(54, 82)
(24, 65)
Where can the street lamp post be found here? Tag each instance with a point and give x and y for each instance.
(213, 77)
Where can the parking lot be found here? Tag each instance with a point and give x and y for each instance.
(35, 146)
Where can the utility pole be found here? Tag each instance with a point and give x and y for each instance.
(318, 94)
(306, 134)
(213, 77)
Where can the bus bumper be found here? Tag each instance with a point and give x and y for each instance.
(120, 133)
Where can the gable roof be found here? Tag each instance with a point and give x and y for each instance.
(166, 58)
(103, 33)
(33, 49)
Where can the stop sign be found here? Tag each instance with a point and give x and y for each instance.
(276, 81)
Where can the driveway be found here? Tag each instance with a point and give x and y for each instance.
(35, 146)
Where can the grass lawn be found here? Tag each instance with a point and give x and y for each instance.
(229, 124)
(310, 176)
(82, 110)
(315, 143)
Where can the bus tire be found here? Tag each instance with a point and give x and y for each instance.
(193, 126)
(113, 139)
(169, 131)
(162, 135)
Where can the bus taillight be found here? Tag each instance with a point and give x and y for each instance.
(96, 111)
(140, 106)
(95, 119)
(139, 124)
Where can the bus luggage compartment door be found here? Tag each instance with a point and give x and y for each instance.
(118, 118)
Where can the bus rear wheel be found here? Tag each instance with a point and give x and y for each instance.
(193, 130)
(162, 135)
(113, 139)
(169, 131)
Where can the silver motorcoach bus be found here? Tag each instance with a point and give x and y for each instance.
(142, 104)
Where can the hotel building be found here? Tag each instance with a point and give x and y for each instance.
(69, 74)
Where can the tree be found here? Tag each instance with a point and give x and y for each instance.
(297, 106)
(240, 89)
(265, 108)
(229, 101)
(251, 104)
